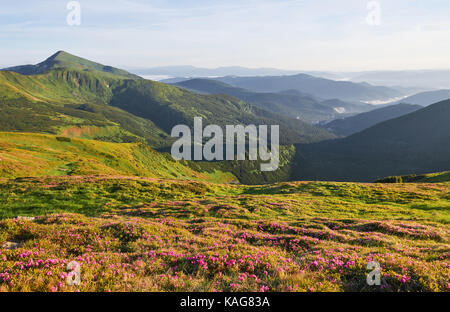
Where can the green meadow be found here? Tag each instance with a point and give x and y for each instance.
(147, 234)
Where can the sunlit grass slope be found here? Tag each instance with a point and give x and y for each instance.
(25, 154)
(430, 177)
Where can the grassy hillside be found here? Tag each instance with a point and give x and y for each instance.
(59, 86)
(430, 177)
(412, 144)
(135, 234)
(350, 125)
(421, 178)
(25, 154)
(70, 102)
(28, 154)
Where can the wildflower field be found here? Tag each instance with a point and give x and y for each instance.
(142, 234)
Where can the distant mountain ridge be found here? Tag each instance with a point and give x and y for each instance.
(350, 125)
(427, 98)
(188, 71)
(319, 87)
(429, 79)
(414, 80)
(291, 103)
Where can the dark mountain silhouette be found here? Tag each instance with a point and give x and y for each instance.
(415, 143)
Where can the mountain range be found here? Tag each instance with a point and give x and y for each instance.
(72, 97)
(417, 80)
(307, 84)
(320, 87)
(68, 91)
(69, 98)
(291, 103)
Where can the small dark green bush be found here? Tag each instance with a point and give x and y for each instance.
(394, 179)
(63, 139)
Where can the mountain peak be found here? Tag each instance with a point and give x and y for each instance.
(63, 59)
(59, 54)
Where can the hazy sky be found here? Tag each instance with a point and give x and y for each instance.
(288, 34)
